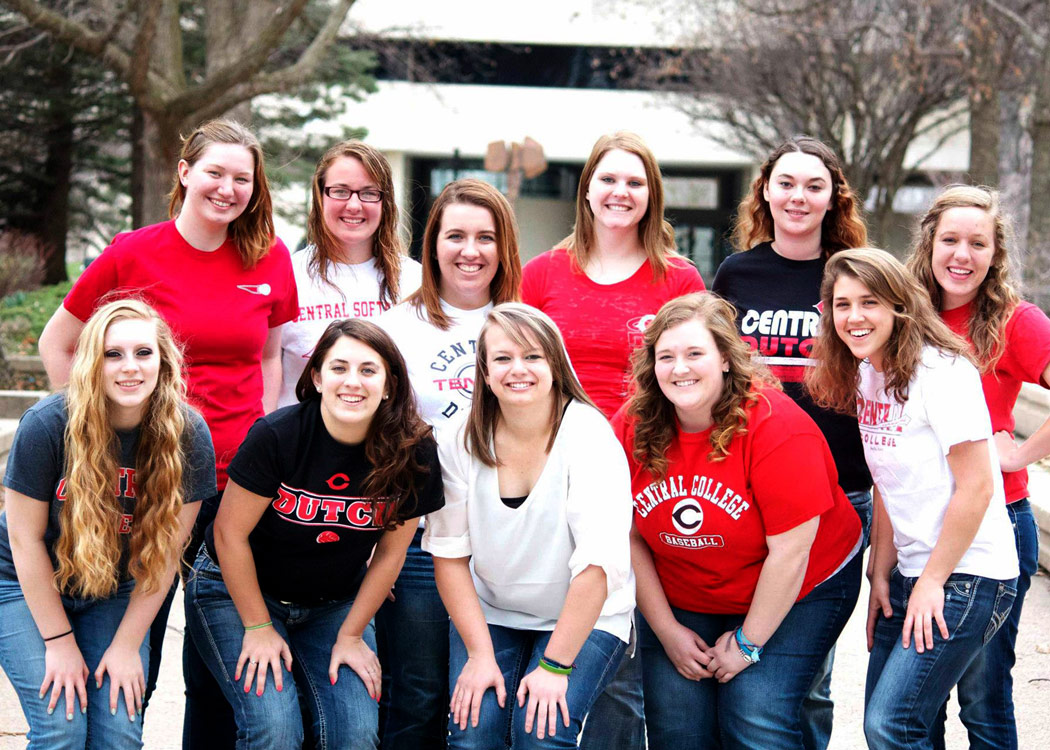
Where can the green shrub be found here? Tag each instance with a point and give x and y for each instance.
(23, 316)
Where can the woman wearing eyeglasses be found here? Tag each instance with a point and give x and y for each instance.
(355, 264)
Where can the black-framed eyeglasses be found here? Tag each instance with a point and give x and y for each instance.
(368, 195)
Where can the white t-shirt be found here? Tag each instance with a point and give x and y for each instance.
(906, 447)
(440, 363)
(353, 293)
(578, 514)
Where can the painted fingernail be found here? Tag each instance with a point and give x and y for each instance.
(132, 718)
(50, 710)
(332, 679)
(112, 711)
(98, 684)
(83, 709)
(258, 692)
(279, 688)
(69, 716)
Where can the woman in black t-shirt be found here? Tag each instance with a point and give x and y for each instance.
(798, 212)
(314, 488)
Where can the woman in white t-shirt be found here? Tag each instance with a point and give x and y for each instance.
(470, 263)
(355, 265)
(532, 551)
(944, 566)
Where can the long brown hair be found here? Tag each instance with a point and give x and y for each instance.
(833, 382)
(396, 429)
(654, 415)
(655, 232)
(88, 548)
(252, 232)
(527, 327)
(996, 296)
(843, 225)
(506, 284)
(387, 246)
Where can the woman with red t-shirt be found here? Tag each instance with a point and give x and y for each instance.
(745, 548)
(601, 287)
(223, 282)
(961, 258)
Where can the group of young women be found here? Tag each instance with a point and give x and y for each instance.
(440, 482)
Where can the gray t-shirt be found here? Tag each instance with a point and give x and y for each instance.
(37, 462)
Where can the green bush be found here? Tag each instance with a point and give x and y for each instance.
(23, 316)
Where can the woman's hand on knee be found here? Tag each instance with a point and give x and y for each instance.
(546, 694)
(478, 675)
(925, 607)
(66, 672)
(261, 650)
(354, 652)
(687, 651)
(125, 673)
(726, 660)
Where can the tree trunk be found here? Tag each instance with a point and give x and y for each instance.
(58, 171)
(157, 146)
(1038, 261)
(983, 46)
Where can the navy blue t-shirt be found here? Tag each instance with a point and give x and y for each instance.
(36, 468)
(314, 538)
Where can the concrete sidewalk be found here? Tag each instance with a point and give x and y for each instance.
(1031, 677)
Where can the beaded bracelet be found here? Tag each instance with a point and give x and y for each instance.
(266, 624)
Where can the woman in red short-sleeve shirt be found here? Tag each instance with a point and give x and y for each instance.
(745, 548)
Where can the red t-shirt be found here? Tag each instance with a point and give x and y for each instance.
(602, 323)
(1026, 353)
(706, 523)
(219, 312)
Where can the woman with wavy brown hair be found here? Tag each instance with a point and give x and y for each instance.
(944, 561)
(746, 550)
(103, 485)
(309, 539)
(355, 265)
(962, 257)
(798, 212)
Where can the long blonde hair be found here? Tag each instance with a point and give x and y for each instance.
(833, 382)
(655, 232)
(996, 296)
(387, 247)
(655, 424)
(252, 233)
(520, 322)
(88, 547)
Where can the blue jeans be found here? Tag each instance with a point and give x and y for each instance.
(760, 707)
(518, 652)
(905, 689)
(818, 708)
(341, 715)
(617, 718)
(22, 654)
(986, 689)
(412, 635)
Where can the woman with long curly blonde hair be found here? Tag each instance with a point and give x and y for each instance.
(103, 485)
(962, 257)
(746, 550)
(944, 562)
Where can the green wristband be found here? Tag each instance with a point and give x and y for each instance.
(267, 624)
(554, 668)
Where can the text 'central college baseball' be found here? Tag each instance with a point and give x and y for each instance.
(464, 503)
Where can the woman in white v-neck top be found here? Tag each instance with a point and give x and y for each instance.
(532, 553)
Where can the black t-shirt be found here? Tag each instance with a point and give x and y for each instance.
(316, 535)
(36, 468)
(778, 314)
